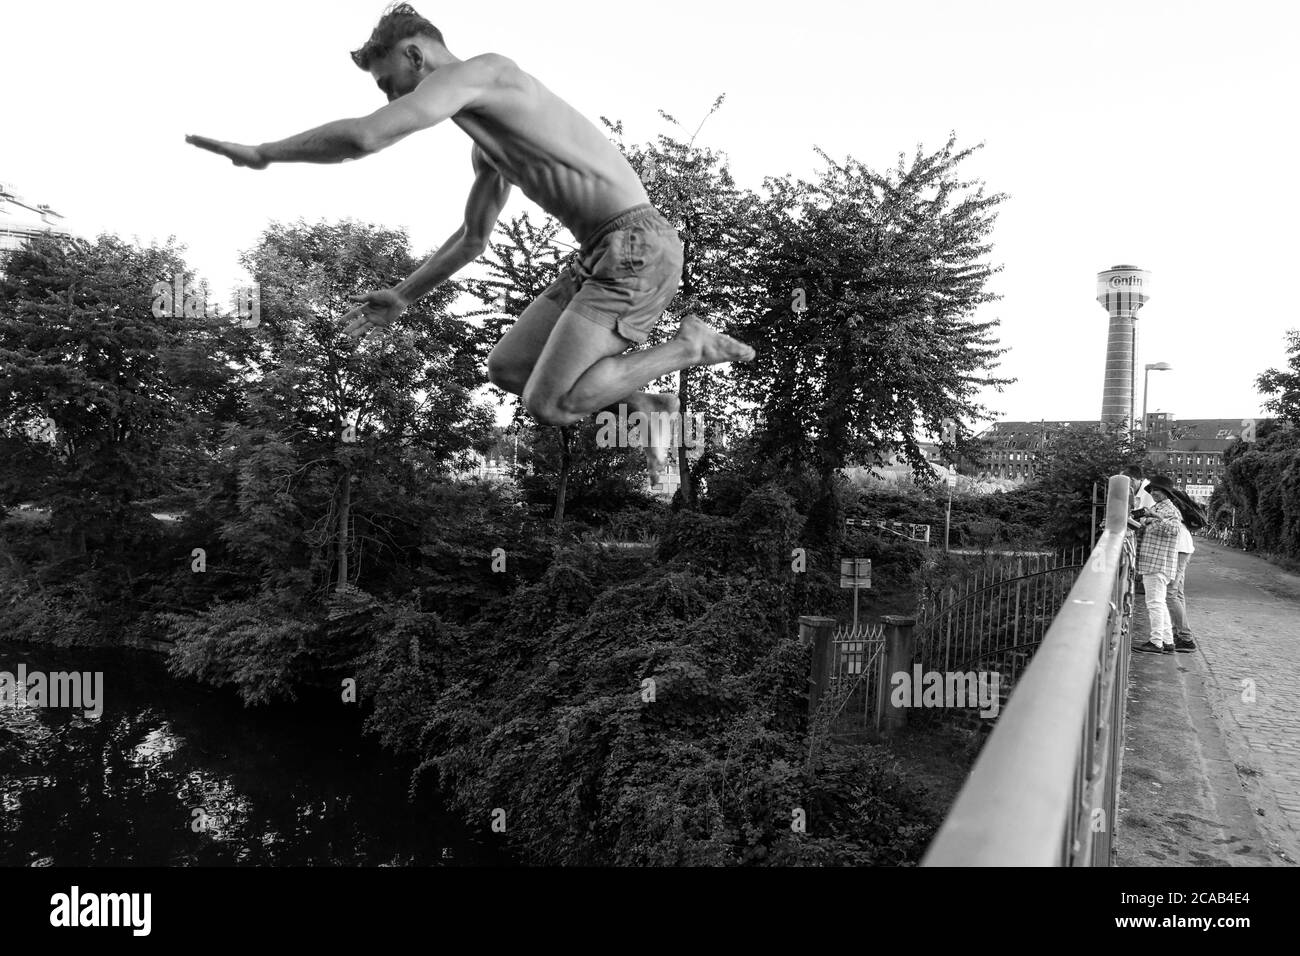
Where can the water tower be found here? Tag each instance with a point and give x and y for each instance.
(1121, 290)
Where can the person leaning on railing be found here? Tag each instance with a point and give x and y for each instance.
(1138, 500)
(1157, 562)
(1193, 519)
(1138, 494)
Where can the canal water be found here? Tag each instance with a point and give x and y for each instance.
(172, 773)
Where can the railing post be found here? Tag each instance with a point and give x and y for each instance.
(817, 632)
(896, 656)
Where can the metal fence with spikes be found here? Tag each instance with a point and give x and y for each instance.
(995, 619)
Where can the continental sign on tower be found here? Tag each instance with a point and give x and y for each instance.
(1121, 290)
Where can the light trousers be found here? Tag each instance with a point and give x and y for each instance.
(1178, 601)
(1157, 597)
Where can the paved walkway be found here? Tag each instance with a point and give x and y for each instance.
(1210, 776)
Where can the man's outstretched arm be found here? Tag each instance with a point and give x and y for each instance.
(439, 96)
(487, 197)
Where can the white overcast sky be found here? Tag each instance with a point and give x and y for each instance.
(1154, 132)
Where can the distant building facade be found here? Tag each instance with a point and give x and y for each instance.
(21, 220)
(1189, 451)
(1013, 447)
(485, 467)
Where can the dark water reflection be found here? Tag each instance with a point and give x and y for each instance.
(172, 773)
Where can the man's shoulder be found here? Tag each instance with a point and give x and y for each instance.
(482, 72)
(480, 80)
(496, 66)
(495, 59)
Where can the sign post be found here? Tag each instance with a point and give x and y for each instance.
(1092, 534)
(949, 480)
(855, 573)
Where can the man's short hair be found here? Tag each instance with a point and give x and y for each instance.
(1133, 471)
(398, 22)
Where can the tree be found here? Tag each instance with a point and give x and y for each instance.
(108, 391)
(520, 266)
(862, 310)
(335, 434)
(579, 478)
(522, 260)
(693, 188)
(562, 463)
(1261, 480)
(1283, 386)
(1069, 466)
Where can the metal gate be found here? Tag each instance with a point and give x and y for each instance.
(851, 702)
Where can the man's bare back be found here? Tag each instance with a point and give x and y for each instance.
(564, 356)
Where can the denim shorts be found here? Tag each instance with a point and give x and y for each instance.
(627, 272)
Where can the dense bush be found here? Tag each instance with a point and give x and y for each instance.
(624, 714)
(525, 689)
(1262, 483)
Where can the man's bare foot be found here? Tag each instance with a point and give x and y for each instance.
(709, 346)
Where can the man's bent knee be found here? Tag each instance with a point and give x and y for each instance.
(506, 375)
(549, 410)
(548, 413)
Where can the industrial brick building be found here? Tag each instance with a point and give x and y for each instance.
(1190, 451)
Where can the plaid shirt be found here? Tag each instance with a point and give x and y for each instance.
(1158, 540)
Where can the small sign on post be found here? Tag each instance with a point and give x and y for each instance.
(855, 573)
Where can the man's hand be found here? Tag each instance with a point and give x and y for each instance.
(249, 156)
(378, 310)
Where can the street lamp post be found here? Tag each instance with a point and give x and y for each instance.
(1146, 379)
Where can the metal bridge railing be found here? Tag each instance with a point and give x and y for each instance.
(1042, 792)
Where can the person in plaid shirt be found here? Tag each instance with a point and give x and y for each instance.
(1157, 562)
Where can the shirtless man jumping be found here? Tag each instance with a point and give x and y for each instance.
(564, 355)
